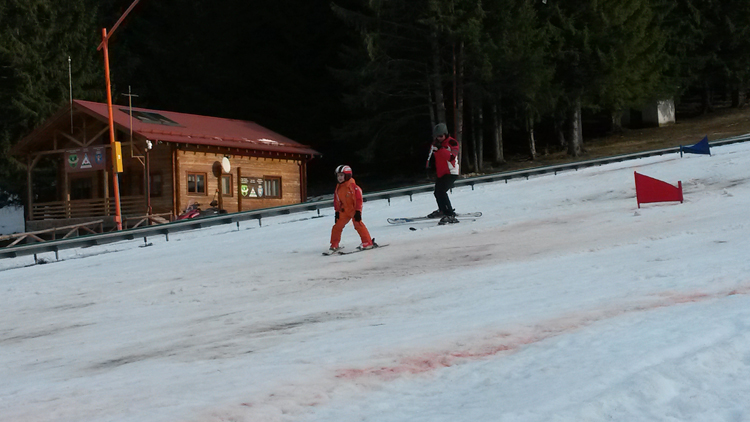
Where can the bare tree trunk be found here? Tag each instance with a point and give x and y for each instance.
(474, 135)
(530, 137)
(706, 100)
(431, 107)
(560, 130)
(479, 127)
(575, 138)
(460, 100)
(497, 129)
(617, 122)
(437, 82)
(738, 97)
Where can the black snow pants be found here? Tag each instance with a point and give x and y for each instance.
(442, 186)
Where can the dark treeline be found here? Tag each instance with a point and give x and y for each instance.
(363, 81)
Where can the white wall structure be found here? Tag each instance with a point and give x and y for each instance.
(11, 220)
(659, 113)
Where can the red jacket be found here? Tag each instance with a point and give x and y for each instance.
(348, 197)
(446, 158)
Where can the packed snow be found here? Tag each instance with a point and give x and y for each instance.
(564, 302)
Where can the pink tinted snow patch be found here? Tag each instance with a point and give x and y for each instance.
(695, 297)
(489, 346)
(429, 361)
(740, 291)
(411, 365)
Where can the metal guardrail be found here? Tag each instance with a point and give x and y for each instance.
(183, 225)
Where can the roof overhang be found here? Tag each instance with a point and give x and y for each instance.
(188, 129)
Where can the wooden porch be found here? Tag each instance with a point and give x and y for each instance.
(83, 208)
(46, 215)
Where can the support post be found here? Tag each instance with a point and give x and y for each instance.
(30, 189)
(115, 178)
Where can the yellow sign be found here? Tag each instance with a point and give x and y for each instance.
(118, 157)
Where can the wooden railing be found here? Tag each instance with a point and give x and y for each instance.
(71, 231)
(83, 208)
(132, 222)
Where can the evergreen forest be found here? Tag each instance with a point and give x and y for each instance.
(364, 81)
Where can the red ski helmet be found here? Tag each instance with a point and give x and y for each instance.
(346, 170)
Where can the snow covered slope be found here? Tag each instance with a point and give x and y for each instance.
(564, 302)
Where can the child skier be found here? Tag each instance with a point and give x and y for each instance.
(347, 202)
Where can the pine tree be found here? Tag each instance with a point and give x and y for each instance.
(608, 55)
(680, 25)
(36, 39)
(392, 77)
(415, 54)
(516, 48)
(629, 50)
(724, 27)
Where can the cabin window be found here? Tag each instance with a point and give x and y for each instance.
(196, 183)
(272, 186)
(156, 185)
(226, 185)
(151, 117)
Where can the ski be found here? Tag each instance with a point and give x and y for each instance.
(332, 252)
(418, 219)
(376, 246)
(339, 251)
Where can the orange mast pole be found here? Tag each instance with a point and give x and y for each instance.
(115, 177)
(105, 47)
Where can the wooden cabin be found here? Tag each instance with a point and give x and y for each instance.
(169, 160)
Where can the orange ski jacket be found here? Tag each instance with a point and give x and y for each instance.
(348, 197)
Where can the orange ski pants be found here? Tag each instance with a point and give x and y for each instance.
(343, 220)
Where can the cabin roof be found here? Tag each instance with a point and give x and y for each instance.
(170, 126)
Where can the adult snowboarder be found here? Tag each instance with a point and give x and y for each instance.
(445, 151)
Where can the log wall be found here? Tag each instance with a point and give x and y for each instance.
(203, 162)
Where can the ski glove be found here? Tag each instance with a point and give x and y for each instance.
(337, 217)
(357, 215)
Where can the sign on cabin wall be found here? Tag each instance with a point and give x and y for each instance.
(85, 159)
(251, 187)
